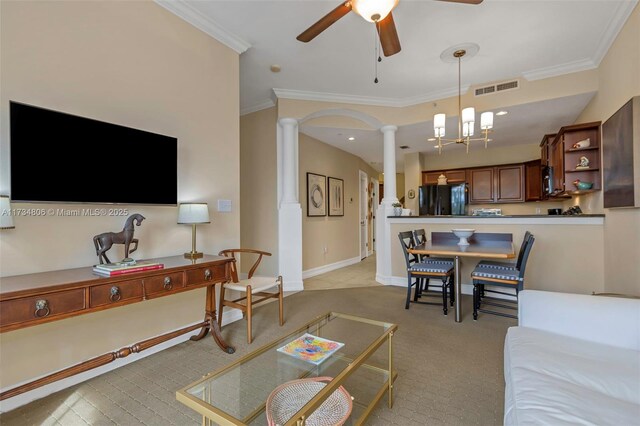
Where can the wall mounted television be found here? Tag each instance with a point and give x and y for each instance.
(64, 158)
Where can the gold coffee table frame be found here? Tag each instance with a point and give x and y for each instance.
(202, 403)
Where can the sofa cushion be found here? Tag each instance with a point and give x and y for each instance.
(555, 379)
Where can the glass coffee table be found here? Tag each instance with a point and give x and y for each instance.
(237, 394)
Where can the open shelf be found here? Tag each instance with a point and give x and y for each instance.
(589, 148)
(592, 169)
(581, 191)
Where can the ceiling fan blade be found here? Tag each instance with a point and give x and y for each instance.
(464, 1)
(324, 22)
(388, 36)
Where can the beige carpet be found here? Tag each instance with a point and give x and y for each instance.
(448, 373)
(362, 274)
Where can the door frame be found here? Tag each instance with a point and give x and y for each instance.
(362, 203)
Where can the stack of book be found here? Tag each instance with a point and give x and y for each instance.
(122, 268)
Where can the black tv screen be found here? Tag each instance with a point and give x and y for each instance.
(59, 157)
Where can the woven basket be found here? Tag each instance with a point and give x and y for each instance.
(288, 398)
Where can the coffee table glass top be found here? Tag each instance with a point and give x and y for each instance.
(237, 394)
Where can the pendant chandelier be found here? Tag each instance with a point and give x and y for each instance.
(466, 119)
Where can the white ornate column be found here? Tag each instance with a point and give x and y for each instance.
(289, 210)
(389, 142)
(384, 239)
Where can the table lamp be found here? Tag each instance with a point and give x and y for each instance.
(193, 214)
(6, 216)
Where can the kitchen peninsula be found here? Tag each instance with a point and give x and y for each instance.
(568, 254)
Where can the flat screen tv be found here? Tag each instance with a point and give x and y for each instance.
(59, 157)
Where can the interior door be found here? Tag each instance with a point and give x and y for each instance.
(364, 195)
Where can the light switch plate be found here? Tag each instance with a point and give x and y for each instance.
(224, 206)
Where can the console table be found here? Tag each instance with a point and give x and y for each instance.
(32, 299)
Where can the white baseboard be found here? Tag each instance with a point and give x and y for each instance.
(330, 267)
(230, 315)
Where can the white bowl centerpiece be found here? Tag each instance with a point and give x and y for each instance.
(463, 234)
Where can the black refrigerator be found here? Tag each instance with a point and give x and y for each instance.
(437, 200)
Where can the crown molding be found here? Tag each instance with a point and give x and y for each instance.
(368, 100)
(205, 24)
(560, 69)
(612, 29)
(257, 107)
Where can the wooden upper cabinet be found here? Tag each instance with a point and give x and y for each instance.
(533, 181)
(509, 184)
(453, 176)
(481, 185)
(556, 162)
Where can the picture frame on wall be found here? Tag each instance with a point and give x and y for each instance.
(316, 195)
(621, 157)
(335, 195)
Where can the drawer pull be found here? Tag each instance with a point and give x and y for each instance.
(114, 294)
(167, 283)
(207, 274)
(42, 308)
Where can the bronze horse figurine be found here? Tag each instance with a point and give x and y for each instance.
(104, 241)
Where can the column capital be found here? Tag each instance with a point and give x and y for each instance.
(388, 128)
(287, 121)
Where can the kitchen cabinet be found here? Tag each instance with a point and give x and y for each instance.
(556, 162)
(509, 187)
(453, 176)
(533, 186)
(481, 185)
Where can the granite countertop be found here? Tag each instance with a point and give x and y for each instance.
(498, 217)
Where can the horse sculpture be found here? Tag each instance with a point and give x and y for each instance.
(104, 241)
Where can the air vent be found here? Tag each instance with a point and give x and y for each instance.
(404, 147)
(499, 87)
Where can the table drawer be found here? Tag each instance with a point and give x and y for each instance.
(107, 294)
(28, 309)
(206, 274)
(160, 284)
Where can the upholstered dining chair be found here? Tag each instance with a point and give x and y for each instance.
(425, 269)
(420, 237)
(506, 277)
(253, 286)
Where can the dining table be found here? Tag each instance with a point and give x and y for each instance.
(495, 246)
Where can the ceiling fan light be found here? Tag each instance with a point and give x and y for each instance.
(486, 120)
(369, 9)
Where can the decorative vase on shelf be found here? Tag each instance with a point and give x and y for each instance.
(442, 180)
(397, 210)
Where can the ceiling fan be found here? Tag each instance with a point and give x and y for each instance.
(376, 11)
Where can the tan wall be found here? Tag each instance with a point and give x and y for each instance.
(565, 258)
(340, 235)
(134, 64)
(258, 187)
(400, 192)
(412, 180)
(619, 81)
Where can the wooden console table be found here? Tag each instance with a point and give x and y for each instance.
(32, 299)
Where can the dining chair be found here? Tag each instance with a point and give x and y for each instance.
(500, 276)
(251, 287)
(425, 269)
(509, 265)
(420, 237)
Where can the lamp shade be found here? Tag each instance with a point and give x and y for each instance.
(6, 218)
(439, 121)
(468, 115)
(486, 120)
(373, 10)
(193, 213)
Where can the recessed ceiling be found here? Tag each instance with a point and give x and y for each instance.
(525, 124)
(529, 38)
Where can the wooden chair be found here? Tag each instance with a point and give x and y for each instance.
(424, 270)
(500, 276)
(420, 237)
(251, 287)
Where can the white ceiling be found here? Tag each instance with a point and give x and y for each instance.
(532, 39)
(524, 124)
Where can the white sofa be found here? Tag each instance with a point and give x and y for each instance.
(573, 359)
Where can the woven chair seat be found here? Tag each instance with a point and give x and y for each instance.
(499, 274)
(509, 266)
(431, 267)
(257, 284)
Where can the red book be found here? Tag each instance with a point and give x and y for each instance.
(128, 270)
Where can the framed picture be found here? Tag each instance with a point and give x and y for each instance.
(621, 158)
(336, 196)
(316, 195)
